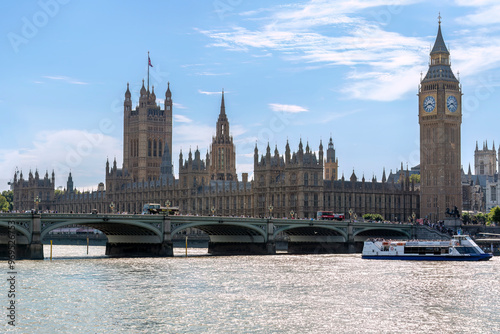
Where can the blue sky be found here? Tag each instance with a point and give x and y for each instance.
(290, 70)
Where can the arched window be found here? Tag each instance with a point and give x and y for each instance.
(159, 148)
(154, 148)
(262, 181)
(306, 179)
(149, 147)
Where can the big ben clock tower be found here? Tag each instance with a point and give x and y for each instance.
(440, 118)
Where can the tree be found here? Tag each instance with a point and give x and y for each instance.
(4, 204)
(415, 178)
(479, 218)
(494, 215)
(373, 216)
(466, 218)
(9, 196)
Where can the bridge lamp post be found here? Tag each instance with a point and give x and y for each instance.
(167, 205)
(271, 211)
(112, 207)
(37, 201)
(350, 215)
(413, 217)
(213, 210)
(291, 214)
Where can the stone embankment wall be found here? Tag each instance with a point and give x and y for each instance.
(427, 233)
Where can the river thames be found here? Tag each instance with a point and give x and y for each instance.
(80, 293)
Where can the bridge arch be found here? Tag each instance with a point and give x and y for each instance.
(226, 228)
(323, 229)
(381, 232)
(18, 228)
(110, 227)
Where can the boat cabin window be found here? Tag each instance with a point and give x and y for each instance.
(426, 250)
(466, 250)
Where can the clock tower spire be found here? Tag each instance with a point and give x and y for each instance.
(440, 119)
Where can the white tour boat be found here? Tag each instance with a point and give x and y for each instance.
(459, 248)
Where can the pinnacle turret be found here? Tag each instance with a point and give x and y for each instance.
(168, 93)
(127, 92)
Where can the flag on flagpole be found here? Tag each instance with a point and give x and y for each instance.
(149, 62)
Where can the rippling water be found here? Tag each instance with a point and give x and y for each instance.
(80, 293)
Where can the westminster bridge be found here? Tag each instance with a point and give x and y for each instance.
(151, 235)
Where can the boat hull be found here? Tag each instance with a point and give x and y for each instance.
(479, 257)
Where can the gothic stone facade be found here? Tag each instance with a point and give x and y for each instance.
(284, 185)
(33, 193)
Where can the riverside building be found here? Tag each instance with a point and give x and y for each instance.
(288, 185)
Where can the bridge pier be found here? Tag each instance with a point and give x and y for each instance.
(351, 248)
(144, 249)
(167, 245)
(271, 243)
(244, 244)
(36, 247)
(137, 250)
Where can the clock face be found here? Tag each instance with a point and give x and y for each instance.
(429, 104)
(451, 103)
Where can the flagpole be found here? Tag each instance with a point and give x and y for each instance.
(148, 75)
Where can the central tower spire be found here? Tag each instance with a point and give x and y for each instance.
(223, 153)
(222, 105)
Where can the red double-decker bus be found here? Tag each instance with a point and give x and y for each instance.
(329, 215)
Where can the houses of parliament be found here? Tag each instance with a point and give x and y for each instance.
(297, 183)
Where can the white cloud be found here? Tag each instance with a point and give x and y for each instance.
(208, 93)
(476, 3)
(179, 106)
(182, 119)
(192, 135)
(382, 86)
(288, 108)
(237, 130)
(65, 79)
(475, 56)
(269, 54)
(297, 33)
(81, 152)
(484, 15)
